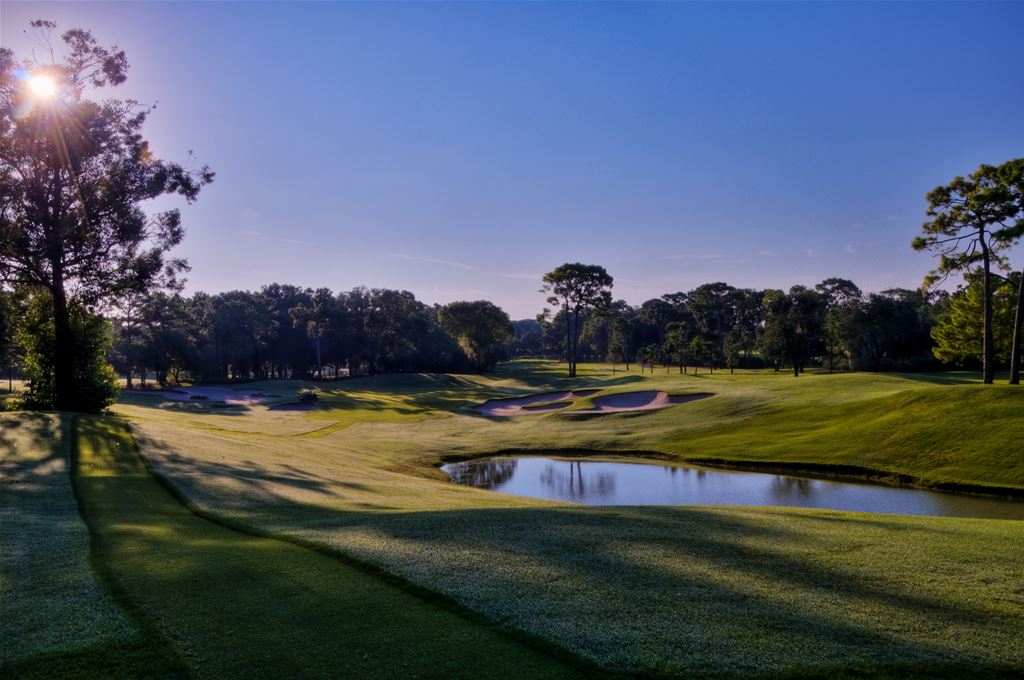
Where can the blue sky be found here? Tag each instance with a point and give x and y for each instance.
(461, 150)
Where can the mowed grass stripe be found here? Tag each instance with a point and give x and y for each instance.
(236, 605)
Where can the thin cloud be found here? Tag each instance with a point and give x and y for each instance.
(850, 248)
(433, 260)
(294, 242)
(249, 232)
(693, 256)
(811, 252)
(519, 276)
(766, 253)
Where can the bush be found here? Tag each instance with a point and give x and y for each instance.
(94, 380)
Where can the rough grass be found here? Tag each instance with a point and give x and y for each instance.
(699, 591)
(236, 605)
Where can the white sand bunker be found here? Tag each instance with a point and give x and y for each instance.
(535, 403)
(648, 400)
(221, 395)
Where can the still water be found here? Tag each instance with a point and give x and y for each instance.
(595, 482)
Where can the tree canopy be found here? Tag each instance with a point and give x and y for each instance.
(481, 328)
(577, 289)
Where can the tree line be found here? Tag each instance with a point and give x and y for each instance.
(717, 326)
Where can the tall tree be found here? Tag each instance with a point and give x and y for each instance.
(1011, 175)
(956, 331)
(577, 289)
(842, 299)
(967, 231)
(481, 328)
(74, 177)
(793, 326)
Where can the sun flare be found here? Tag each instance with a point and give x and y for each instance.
(42, 85)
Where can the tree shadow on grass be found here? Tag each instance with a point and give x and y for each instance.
(659, 590)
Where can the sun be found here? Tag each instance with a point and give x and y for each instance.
(42, 85)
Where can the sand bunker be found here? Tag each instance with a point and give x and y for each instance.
(535, 403)
(648, 400)
(223, 395)
(293, 406)
(639, 401)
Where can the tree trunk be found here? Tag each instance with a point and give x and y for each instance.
(319, 364)
(64, 348)
(575, 341)
(988, 345)
(1018, 321)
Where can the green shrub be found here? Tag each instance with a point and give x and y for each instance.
(93, 378)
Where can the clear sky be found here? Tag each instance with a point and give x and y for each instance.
(461, 150)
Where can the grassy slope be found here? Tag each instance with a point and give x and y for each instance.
(236, 605)
(57, 618)
(712, 591)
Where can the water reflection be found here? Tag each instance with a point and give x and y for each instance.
(595, 482)
(490, 476)
(576, 486)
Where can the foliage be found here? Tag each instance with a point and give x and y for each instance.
(481, 328)
(577, 289)
(957, 331)
(792, 326)
(93, 379)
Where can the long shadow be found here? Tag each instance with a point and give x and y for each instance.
(58, 620)
(238, 605)
(584, 574)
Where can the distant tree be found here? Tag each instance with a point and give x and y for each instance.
(699, 351)
(529, 338)
(650, 355)
(967, 230)
(481, 328)
(11, 312)
(713, 308)
(657, 313)
(577, 289)
(793, 326)
(842, 300)
(74, 175)
(732, 348)
(620, 340)
(677, 342)
(317, 318)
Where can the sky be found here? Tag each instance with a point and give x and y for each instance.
(461, 150)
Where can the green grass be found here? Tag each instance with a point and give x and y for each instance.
(238, 605)
(57, 617)
(713, 592)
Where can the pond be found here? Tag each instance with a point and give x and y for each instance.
(604, 482)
